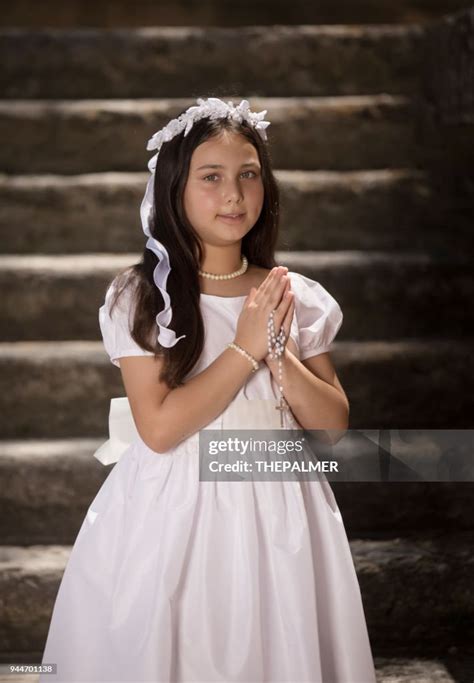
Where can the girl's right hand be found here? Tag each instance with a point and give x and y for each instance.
(252, 325)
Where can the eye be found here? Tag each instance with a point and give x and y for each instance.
(214, 175)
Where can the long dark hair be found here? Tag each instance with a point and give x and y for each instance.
(170, 226)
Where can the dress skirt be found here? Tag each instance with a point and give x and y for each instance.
(172, 579)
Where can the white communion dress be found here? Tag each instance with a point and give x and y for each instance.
(173, 579)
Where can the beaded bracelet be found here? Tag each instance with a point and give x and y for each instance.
(245, 353)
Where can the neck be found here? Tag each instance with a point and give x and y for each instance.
(221, 260)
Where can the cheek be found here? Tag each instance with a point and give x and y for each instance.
(204, 195)
(198, 199)
(257, 194)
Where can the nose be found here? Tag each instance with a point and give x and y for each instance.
(233, 191)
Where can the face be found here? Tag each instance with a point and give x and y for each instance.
(230, 182)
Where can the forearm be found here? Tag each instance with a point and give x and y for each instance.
(192, 406)
(314, 403)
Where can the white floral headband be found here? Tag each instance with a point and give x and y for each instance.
(212, 108)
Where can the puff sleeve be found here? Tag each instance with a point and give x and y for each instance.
(115, 327)
(318, 316)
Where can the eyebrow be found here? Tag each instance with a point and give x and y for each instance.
(249, 163)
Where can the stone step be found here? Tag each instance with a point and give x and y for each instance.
(77, 13)
(388, 669)
(296, 60)
(453, 669)
(306, 133)
(67, 470)
(61, 390)
(57, 297)
(99, 212)
(417, 593)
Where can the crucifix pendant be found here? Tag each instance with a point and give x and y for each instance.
(281, 407)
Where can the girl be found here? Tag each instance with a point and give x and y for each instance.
(176, 579)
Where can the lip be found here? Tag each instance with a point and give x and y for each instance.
(232, 218)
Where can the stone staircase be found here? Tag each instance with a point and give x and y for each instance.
(360, 214)
(75, 13)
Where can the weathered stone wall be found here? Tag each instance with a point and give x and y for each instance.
(104, 13)
(446, 112)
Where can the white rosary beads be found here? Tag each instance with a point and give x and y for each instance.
(276, 347)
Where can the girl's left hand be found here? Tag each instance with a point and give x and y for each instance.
(286, 324)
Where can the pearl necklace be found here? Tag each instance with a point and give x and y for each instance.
(276, 347)
(227, 276)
